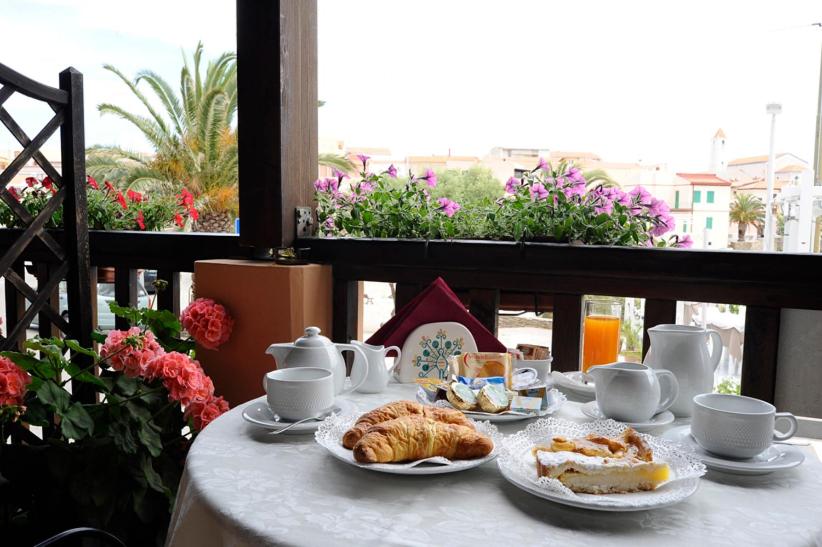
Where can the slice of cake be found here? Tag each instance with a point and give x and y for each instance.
(601, 465)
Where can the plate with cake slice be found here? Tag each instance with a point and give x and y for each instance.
(601, 465)
(409, 438)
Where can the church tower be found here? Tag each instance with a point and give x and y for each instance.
(719, 163)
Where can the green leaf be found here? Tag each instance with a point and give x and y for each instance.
(149, 435)
(98, 337)
(123, 437)
(133, 315)
(138, 411)
(52, 394)
(75, 346)
(36, 413)
(154, 480)
(76, 422)
(31, 364)
(126, 385)
(85, 376)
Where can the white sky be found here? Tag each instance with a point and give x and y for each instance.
(628, 80)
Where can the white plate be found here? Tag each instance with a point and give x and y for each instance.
(259, 414)
(776, 458)
(576, 383)
(663, 418)
(518, 466)
(332, 429)
(555, 401)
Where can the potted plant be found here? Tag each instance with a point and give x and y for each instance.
(112, 461)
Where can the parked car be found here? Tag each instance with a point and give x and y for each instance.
(105, 295)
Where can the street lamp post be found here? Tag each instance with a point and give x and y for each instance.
(773, 109)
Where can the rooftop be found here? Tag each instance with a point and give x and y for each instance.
(704, 179)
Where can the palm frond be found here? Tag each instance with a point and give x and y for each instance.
(158, 120)
(599, 177)
(336, 161)
(154, 133)
(166, 95)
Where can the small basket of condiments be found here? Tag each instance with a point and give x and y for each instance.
(485, 384)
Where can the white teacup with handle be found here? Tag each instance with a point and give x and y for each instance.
(736, 426)
(633, 393)
(298, 393)
(377, 373)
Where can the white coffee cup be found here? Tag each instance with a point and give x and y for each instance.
(737, 426)
(298, 393)
(541, 367)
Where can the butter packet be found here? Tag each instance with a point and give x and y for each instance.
(538, 391)
(483, 365)
(479, 383)
(527, 405)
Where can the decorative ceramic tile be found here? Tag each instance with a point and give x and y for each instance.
(427, 349)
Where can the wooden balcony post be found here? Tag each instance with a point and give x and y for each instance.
(657, 312)
(566, 343)
(760, 352)
(125, 293)
(277, 117)
(485, 307)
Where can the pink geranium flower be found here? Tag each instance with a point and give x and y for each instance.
(208, 322)
(204, 411)
(13, 383)
(182, 376)
(130, 351)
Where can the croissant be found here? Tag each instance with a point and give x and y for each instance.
(398, 409)
(415, 437)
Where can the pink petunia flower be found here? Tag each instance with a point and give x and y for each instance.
(538, 192)
(430, 178)
(512, 184)
(392, 171)
(542, 164)
(364, 159)
(448, 207)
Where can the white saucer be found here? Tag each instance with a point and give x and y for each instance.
(259, 414)
(576, 383)
(775, 458)
(663, 418)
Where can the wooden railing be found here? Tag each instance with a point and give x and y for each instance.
(558, 276)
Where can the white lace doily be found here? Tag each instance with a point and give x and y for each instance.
(332, 429)
(555, 400)
(517, 463)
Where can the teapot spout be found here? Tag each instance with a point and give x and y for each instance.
(279, 353)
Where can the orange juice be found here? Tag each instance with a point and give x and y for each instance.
(600, 342)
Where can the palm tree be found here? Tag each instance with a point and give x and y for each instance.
(747, 209)
(193, 135)
(598, 177)
(336, 161)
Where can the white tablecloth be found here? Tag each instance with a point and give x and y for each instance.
(244, 487)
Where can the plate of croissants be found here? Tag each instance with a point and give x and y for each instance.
(409, 438)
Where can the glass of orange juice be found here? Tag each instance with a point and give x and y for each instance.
(600, 338)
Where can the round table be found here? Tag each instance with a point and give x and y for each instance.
(243, 486)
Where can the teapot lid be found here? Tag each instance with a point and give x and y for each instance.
(312, 339)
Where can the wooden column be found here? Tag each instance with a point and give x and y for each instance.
(657, 312)
(125, 293)
(566, 343)
(760, 352)
(405, 293)
(345, 310)
(169, 298)
(277, 117)
(485, 307)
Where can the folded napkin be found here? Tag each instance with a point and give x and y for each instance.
(437, 303)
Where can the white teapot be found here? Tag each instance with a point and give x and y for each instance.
(315, 350)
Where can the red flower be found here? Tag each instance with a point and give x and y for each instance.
(13, 191)
(48, 184)
(141, 221)
(178, 218)
(31, 181)
(208, 322)
(192, 212)
(121, 200)
(136, 197)
(13, 382)
(109, 186)
(91, 182)
(186, 199)
(203, 411)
